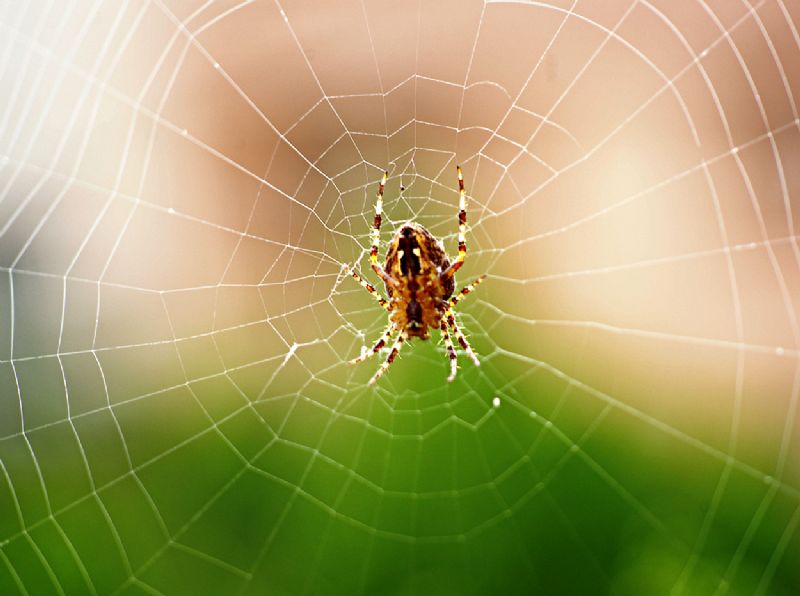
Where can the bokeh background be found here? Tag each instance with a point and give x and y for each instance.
(183, 187)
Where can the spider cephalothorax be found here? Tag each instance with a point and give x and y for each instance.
(420, 281)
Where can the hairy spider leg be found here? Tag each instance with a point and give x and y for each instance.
(462, 341)
(376, 226)
(466, 290)
(376, 236)
(390, 329)
(398, 343)
(451, 351)
(371, 289)
(462, 228)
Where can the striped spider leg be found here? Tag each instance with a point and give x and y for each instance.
(376, 236)
(462, 341)
(466, 290)
(371, 289)
(449, 320)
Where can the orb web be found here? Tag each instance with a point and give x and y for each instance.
(184, 187)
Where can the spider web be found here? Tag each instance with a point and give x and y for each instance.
(183, 189)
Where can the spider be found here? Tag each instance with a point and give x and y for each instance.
(420, 281)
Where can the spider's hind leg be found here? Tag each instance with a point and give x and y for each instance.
(398, 343)
(377, 347)
(451, 351)
(462, 341)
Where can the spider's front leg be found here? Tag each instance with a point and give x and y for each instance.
(376, 236)
(462, 229)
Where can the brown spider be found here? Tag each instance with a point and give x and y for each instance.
(419, 280)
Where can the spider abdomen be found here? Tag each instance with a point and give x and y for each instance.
(415, 260)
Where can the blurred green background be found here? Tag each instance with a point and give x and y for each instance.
(183, 188)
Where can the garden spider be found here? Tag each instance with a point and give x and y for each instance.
(419, 280)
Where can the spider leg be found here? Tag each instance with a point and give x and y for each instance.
(462, 229)
(462, 341)
(466, 290)
(377, 347)
(376, 236)
(451, 351)
(398, 343)
(371, 289)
